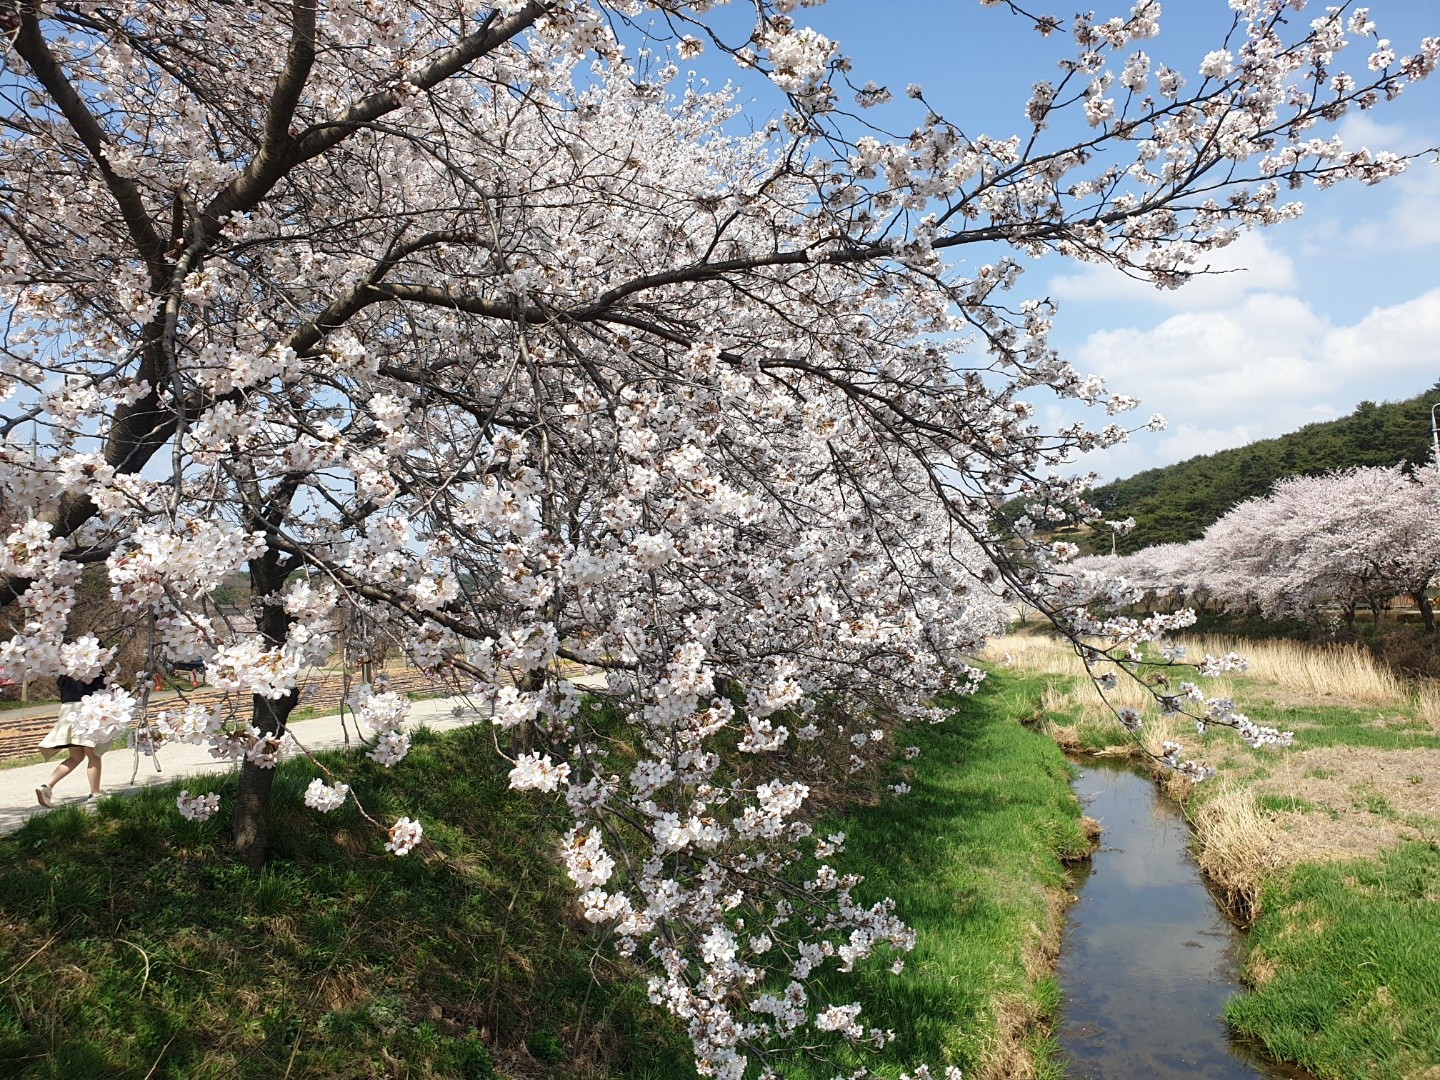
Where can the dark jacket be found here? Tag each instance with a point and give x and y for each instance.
(75, 690)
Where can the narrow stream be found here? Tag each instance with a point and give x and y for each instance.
(1147, 959)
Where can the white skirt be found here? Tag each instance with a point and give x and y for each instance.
(62, 736)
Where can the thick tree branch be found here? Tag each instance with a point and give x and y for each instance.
(248, 189)
(272, 157)
(30, 43)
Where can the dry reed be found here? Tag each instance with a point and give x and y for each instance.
(1034, 652)
(1340, 671)
(1233, 846)
(1159, 730)
(1427, 704)
(1079, 697)
(1056, 699)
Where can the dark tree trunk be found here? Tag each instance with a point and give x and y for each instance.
(1427, 610)
(252, 801)
(526, 738)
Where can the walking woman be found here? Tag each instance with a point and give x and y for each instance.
(62, 737)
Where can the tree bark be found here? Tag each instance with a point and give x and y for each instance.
(252, 801)
(527, 736)
(1427, 610)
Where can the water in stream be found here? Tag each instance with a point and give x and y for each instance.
(1147, 959)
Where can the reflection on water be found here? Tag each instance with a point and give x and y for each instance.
(1147, 959)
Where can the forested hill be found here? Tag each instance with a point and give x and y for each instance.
(1177, 502)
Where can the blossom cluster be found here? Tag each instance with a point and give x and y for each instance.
(404, 836)
(326, 797)
(384, 712)
(197, 807)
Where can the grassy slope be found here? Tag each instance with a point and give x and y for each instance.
(969, 854)
(1347, 958)
(160, 958)
(129, 946)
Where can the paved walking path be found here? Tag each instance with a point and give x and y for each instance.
(22, 728)
(178, 760)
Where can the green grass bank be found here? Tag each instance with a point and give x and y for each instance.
(974, 854)
(130, 946)
(1344, 963)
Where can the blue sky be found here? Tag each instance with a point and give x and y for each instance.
(1340, 306)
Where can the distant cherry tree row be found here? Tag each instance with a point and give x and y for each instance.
(1351, 537)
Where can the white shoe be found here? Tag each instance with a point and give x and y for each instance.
(92, 802)
(43, 795)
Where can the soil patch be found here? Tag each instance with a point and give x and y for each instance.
(1365, 801)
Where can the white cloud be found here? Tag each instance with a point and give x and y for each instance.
(1359, 129)
(1262, 368)
(1287, 339)
(1389, 342)
(1250, 264)
(1414, 217)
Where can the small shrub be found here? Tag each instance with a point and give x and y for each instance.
(544, 1045)
(471, 1058)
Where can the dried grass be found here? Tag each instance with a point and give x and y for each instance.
(1340, 672)
(1054, 656)
(1010, 1057)
(1353, 801)
(1427, 704)
(1233, 846)
(1034, 652)
(1332, 674)
(1056, 699)
(1130, 693)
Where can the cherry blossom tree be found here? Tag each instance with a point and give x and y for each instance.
(1372, 533)
(482, 326)
(1350, 536)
